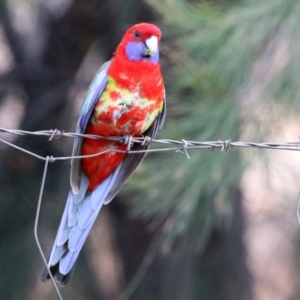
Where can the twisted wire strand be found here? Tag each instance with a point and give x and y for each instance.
(174, 145)
(181, 146)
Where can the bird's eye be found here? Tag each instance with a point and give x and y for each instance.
(137, 34)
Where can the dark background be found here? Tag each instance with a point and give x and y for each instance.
(219, 226)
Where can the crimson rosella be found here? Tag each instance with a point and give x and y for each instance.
(126, 98)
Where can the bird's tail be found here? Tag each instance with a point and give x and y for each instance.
(78, 218)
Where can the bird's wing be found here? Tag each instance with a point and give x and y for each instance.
(95, 90)
(131, 161)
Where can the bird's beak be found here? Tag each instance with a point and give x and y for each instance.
(151, 46)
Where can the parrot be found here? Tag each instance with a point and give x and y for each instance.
(125, 98)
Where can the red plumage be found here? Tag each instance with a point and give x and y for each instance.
(142, 78)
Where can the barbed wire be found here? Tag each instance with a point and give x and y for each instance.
(181, 146)
(176, 145)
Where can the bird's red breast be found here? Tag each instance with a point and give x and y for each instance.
(131, 101)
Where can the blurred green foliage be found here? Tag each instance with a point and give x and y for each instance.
(216, 56)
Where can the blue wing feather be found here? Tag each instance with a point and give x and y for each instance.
(96, 88)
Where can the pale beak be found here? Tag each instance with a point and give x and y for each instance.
(151, 45)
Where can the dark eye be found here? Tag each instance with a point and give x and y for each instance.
(137, 34)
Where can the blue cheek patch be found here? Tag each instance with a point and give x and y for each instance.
(135, 52)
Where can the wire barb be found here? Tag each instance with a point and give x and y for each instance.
(184, 149)
(128, 140)
(146, 140)
(51, 159)
(56, 134)
(226, 145)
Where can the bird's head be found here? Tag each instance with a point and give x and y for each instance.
(140, 43)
